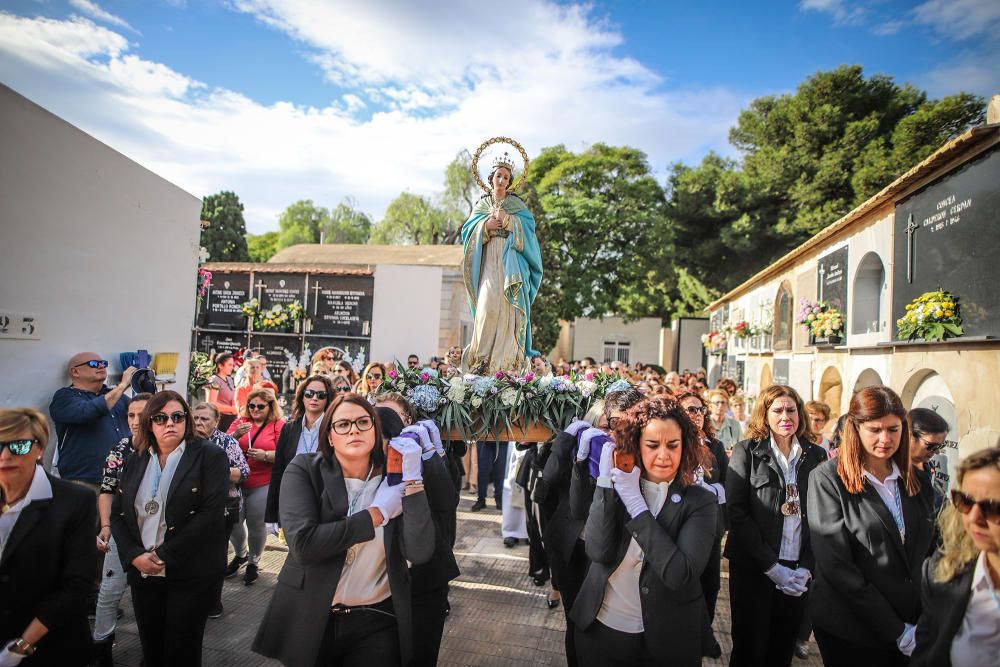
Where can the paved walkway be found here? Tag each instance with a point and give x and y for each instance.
(498, 616)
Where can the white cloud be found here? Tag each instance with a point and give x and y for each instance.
(960, 19)
(93, 10)
(967, 75)
(430, 85)
(840, 11)
(889, 27)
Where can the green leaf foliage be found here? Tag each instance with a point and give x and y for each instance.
(225, 236)
(414, 219)
(262, 247)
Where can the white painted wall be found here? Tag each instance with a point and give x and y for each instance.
(643, 336)
(875, 238)
(406, 313)
(103, 251)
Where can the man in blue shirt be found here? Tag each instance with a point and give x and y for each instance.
(90, 418)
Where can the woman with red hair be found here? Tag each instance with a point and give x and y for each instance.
(870, 515)
(648, 536)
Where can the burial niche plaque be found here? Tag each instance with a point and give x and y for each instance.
(340, 305)
(279, 288)
(831, 279)
(948, 236)
(211, 342)
(222, 307)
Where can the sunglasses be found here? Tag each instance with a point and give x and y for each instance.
(258, 406)
(374, 376)
(694, 410)
(933, 447)
(314, 393)
(94, 363)
(161, 418)
(18, 447)
(344, 426)
(412, 364)
(342, 390)
(964, 503)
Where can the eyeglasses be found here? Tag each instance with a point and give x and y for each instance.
(93, 363)
(964, 504)
(342, 390)
(258, 406)
(161, 418)
(344, 426)
(694, 410)
(412, 364)
(933, 447)
(313, 393)
(374, 376)
(18, 447)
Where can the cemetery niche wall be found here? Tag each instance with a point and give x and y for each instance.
(947, 236)
(334, 309)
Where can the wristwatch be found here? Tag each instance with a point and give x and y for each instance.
(22, 647)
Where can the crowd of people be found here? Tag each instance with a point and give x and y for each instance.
(847, 531)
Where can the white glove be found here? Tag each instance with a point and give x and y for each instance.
(627, 487)
(272, 528)
(784, 580)
(577, 426)
(435, 432)
(799, 583)
(583, 451)
(426, 443)
(607, 465)
(908, 640)
(412, 459)
(389, 501)
(8, 658)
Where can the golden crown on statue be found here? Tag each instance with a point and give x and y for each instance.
(504, 161)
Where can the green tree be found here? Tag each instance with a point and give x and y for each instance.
(414, 219)
(301, 223)
(225, 236)
(346, 224)
(262, 247)
(461, 192)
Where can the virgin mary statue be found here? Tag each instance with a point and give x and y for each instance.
(502, 270)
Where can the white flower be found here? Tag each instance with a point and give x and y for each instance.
(586, 387)
(456, 393)
(545, 381)
(476, 401)
(508, 396)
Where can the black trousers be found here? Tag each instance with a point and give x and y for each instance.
(171, 616)
(601, 646)
(569, 576)
(538, 562)
(765, 620)
(362, 638)
(492, 466)
(429, 611)
(711, 578)
(837, 652)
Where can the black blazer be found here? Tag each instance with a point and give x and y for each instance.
(562, 527)
(867, 580)
(676, 545)
(195, 544)
(47, 572)
(718, 475)
(442, 499)
(943, 608)
(313, 514)
(755, 491)
(284, 452)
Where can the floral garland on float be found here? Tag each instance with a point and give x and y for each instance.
(482, 407)
(932, 316)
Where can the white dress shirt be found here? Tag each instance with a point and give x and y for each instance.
(40, 489)
(977, 643)
(153, 527)
(888, 491)
(791, 527)
(621, 609)
(309, 438)
(365, 580)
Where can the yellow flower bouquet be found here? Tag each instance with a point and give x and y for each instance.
(931, 316)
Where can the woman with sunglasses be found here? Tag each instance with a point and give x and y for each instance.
(370, 380)
(959, 625)
(343, 594)
(711, 474)
(47, 555)
(870, 516)
(928, 433)
(769, 552)
(168, 520)
(298, 436)
(343, 368)
(257, 431)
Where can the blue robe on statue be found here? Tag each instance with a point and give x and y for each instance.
(502, 275)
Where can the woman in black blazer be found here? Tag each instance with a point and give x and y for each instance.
(299, 435)
(870, 515)
(168, 519)
(47, 555)
(343, 593)
(648, 537)
(959, 624)
(770, 559)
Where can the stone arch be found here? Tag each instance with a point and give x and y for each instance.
(866, 304)
(928, 389)
(831, 390)
(868, 378)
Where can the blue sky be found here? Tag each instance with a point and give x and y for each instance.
(282, 100)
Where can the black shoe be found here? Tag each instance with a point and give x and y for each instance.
(552, 603)
(235, 564)
(216, 610)
(539, 580)
(510, 542)
(478, 505)
(102, 656)
(498, 504)
(714, 650)
(801, 650)
(250, 575)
